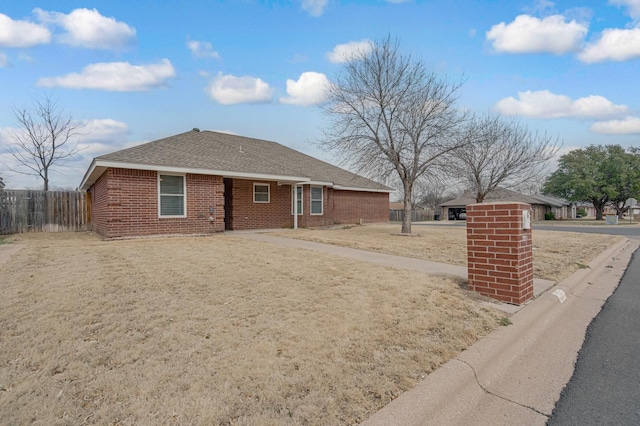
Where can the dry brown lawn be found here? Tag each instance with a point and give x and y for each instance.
(556, 255)
(226, 331)
(215, 331)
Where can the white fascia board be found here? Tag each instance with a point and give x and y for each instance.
(353, 188)
(316, 183)
(87, 174)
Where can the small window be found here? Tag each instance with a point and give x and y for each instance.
(172, 196)
(299, 198)
(316, 200)
(260, 193)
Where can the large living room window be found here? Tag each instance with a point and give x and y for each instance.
(316, 200)
(260, 192)
(171, 190)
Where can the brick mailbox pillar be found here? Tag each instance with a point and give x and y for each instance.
(500, 257)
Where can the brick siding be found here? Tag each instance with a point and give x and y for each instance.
(356, 206)
(125, 203)
(500, 256)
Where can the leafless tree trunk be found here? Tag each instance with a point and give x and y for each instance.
(44, 139)
(500, 153)
(391, 119)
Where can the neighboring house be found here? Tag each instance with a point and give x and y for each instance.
(456, 209)
(1, 184)
(204, 182)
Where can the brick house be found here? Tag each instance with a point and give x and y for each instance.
(202, 182)
(540, 205)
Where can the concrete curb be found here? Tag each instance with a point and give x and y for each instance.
(516, 374)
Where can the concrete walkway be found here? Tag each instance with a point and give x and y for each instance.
(516, 374)
(400, 262)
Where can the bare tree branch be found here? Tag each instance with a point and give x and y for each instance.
(391, 118)
(500, 153)
(45, 138)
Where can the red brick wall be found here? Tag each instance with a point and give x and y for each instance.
(338, 207)
(249, 215)
(351, 206)
(125, 203)
(500, 256)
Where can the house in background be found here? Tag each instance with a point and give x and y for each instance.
(1, 184)
(541, 205)
(204, 182)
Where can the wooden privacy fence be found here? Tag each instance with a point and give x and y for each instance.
(44, 211)
(416, 215)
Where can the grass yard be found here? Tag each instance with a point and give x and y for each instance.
(556, 255)
(225, 331)
(215, 331)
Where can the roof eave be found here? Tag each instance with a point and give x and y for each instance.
(98, 167)
(356, 188)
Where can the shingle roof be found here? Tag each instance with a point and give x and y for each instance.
(502, 194)
(208, 151)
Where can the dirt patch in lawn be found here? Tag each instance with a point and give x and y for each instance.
(556, 255)
(216, 330)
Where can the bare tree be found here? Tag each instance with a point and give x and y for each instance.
(500, 153)
(433, 189)
(45, 138)
(391, 118)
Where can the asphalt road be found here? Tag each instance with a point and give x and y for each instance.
(605, 386)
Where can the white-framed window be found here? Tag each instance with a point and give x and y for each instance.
(316, 200)
(299, 191)
(261, 192)
(172, 196)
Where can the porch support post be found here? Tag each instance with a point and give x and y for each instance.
(295, 206)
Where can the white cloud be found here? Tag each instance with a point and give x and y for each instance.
(229, 90)
(343, 52)
(528, 34)
(626, 126)
(102, 136)
(633, 7)
(543, 7)
(202, 49)
(613, 45)
(115, 77)
(310, 89)
(544, 104)
(22, 33)
(314, 7)
(4, 60)
(88, 28)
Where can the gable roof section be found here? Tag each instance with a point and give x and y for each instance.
(502, 194)
(213, 153)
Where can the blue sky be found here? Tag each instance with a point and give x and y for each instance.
(141, 70)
